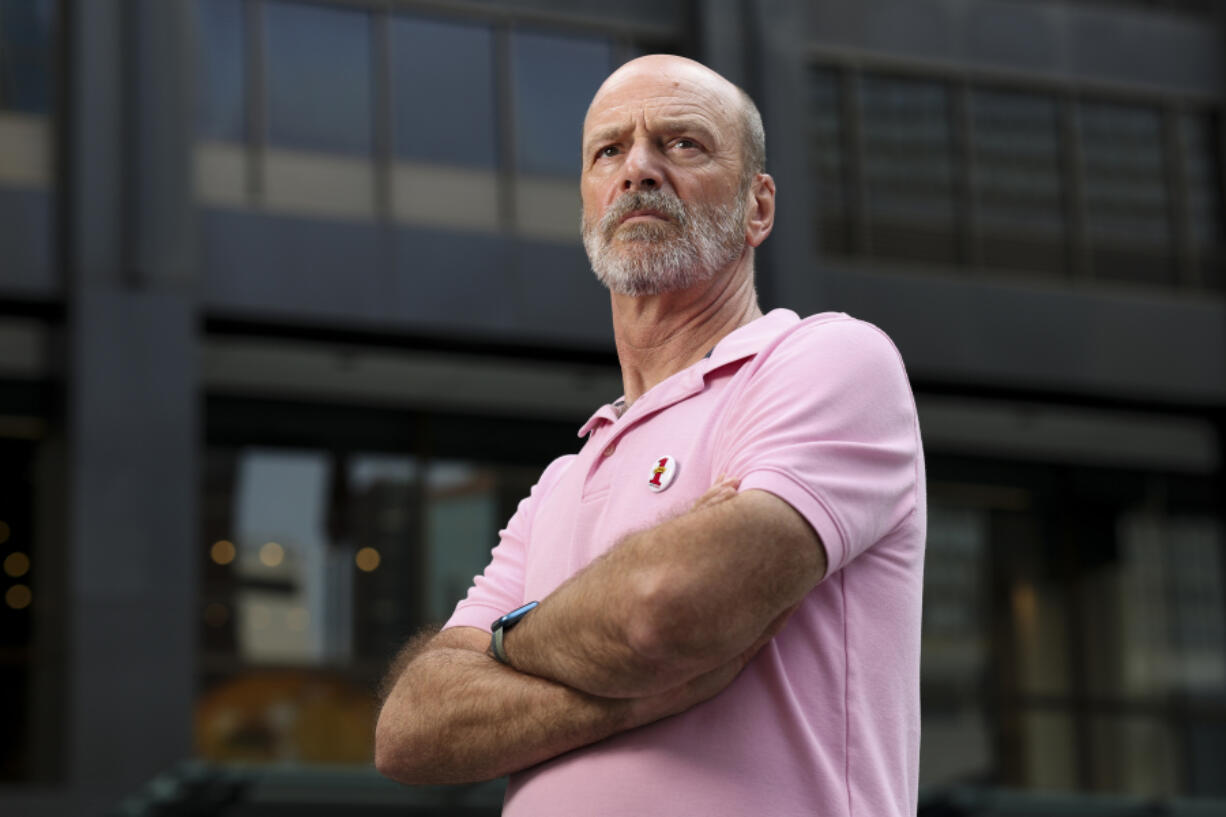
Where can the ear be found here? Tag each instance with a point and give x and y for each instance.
(760, 215)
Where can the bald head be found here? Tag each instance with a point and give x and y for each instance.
(683, 72)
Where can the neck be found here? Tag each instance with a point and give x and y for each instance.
(659, 335)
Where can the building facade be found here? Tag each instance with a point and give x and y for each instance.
(293, 309)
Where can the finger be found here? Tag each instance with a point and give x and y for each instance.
(715, 495)
(711, 500)
(769, 633)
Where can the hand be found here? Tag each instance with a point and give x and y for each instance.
(723, 490)
(710, 683)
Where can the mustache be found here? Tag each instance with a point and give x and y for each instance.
(659, 201)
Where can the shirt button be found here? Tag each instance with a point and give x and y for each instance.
(608, 452)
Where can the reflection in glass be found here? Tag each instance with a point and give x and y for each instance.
(337, 559)
(1017, 185)
(1171, 609)
(282, 564)
(554, 79)
(443, 97)
(462, 528)
(955, 607)
(1135, 755)
(25, 55)
(957, 739)
(1048, 750)
(318, 66)
(908, 168)
(378, 511)
(220, 67)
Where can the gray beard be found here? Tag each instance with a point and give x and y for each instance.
(650, 258)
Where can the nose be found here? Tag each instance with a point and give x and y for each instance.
(641, 170)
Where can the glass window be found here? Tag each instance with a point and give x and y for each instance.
(318, 67)
(1126, 206)
(1169, 605)
(444, 96)
(828, 161)
(956, 729)
(25, 55)
(1047, 756)
(463, 510)
(1137, 755)
(1019, 207)
(221, 66)
(1074, 629)
(554, 79)
(318, 566)
(1203, 178)
(908, 168)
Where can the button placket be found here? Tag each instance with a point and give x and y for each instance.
(603, 446)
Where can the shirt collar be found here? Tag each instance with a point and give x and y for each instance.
(744, 342)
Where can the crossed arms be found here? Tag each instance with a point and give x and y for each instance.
(663, 621)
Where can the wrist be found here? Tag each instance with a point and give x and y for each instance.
(502, 626)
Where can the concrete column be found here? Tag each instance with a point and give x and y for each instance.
(128, 234)
(776, 76)
(723, 42)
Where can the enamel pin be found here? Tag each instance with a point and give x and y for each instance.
(663, 471)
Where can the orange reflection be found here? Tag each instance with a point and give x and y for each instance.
(367, 559)
(279, 716)
(222, 552)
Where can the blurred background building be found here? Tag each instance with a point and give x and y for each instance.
(293, 310)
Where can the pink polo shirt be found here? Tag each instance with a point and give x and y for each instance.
(825, 719)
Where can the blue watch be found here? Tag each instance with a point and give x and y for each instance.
(503, 624)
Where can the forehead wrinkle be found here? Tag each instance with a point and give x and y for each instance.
(663, 124)
(680, 124)
(659, 113)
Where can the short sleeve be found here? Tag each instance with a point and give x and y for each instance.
(500, 587)
(826, 421)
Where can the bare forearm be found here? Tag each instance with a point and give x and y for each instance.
(588, 634)
(456, 716)
(672, 602)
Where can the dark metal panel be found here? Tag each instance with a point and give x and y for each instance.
(723, 41)
(1017, 35)
(455, 282)
(1106, 342)
(93, 127)
(25, 243)
(475, 292)
(1154, 49)
(311, 268)
(1084, 42)
(778, 83)
(446, 282)
(160, 87)
(132, 534)
(661, 15)
(557, 297)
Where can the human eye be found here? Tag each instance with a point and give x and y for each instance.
(685, 143)
(608, 151)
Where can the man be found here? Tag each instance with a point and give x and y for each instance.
(729, 571)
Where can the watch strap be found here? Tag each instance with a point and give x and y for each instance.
(496, 646)
(501, 625)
